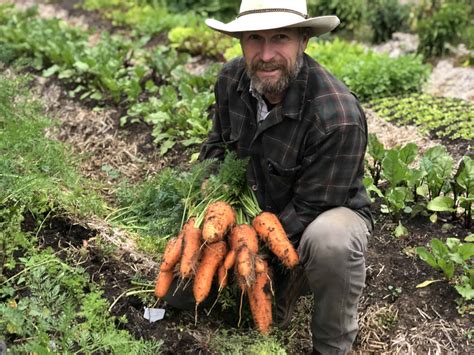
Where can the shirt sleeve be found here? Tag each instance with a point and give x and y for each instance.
(327, 177)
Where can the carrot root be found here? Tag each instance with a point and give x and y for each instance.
(260, 300)
(191, 249)
(218, 220)
(163, 283)
(172, 253)
(244, 234)
(270, 230)
(212, 256)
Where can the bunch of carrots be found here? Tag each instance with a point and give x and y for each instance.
(222, 235)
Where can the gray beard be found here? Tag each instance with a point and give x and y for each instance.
(267, 87)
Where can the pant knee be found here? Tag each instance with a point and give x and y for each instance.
(337, 235)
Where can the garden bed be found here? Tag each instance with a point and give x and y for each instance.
(395, 316)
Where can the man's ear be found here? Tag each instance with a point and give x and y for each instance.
(304, 42)
(305, 39)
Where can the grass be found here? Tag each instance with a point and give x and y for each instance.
(37, 172)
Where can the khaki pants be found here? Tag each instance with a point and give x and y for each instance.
(332, 253)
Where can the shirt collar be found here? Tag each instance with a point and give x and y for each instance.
(262, 108)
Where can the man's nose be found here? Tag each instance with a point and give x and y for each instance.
(267, 51)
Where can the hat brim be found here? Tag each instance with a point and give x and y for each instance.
(272, 20)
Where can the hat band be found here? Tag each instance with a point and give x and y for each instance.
(259, 11)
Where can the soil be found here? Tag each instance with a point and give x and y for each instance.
(395, 316)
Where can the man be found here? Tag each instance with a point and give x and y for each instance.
(306, 135)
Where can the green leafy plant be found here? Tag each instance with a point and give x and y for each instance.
(462, 187)
(443, 27)
(200, 40)
(37, 172)
(11, 237)
(255, 344)
(437, 165)
(181, 112)
(143, 17)
(222, 9)
(401, 179)
(392, 175)
(376, 151)
(351, 13)
(455, 260)
(387, 17)
(355, 66)
(55, 314)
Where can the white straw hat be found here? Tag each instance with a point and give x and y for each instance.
(258, 15)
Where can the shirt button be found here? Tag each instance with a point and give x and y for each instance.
(254, 187)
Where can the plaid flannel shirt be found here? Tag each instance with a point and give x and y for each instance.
(307, 156)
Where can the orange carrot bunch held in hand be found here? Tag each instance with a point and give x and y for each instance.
(217, 239)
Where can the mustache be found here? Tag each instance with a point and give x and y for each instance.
(268, 66)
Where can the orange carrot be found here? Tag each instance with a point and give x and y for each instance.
(191, 249)
(259, 265)
(222, 277)
(229, 260)
(243, 239)
(172, 253)
(245, 264)
(163, 283)
(244, 234)
(270, 230)
(260, 300)
(218, 219)
(224, 268)
(212, 256)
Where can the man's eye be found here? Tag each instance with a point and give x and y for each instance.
(281, 37)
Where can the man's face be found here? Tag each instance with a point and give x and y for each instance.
(273, 58)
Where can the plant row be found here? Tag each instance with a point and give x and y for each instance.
(444, 117)
(156, 83)
(439, 24)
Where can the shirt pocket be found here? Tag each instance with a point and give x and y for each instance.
(280, 182)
